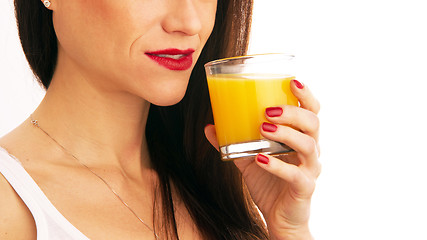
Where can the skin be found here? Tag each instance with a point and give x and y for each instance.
(97, 107)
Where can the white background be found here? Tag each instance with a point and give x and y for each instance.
(366, 61)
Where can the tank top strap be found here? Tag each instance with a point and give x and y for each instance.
(50, 223)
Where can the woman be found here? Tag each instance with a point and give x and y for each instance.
(121, 145)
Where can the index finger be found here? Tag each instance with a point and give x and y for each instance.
(305, 97)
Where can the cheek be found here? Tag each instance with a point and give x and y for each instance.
(88, 29)
(207, 14)
(79, 21)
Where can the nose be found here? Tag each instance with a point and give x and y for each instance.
(183, 17)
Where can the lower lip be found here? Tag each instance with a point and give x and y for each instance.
(181, 64)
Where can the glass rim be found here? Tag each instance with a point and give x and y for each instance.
(263, 56)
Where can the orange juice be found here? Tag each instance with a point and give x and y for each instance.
(239, 102)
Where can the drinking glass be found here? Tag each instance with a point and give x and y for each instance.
(240, 89)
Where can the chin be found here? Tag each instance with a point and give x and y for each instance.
(162, 88)
(168, 98)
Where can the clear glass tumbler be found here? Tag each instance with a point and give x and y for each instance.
(240, 89)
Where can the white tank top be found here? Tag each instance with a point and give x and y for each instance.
(50, 223)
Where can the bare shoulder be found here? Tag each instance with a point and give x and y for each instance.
(16, 221)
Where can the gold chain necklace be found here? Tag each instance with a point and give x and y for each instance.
(36, 124)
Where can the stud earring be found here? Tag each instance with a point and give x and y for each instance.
(46, 3)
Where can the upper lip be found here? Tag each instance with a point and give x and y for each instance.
(172, 51)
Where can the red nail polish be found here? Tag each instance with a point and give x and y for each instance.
(262, 159)
(298, 84)
(268, 127)
(274, 111)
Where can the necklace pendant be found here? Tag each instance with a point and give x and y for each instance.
(35, 123)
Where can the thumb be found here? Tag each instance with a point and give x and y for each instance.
(210, 134)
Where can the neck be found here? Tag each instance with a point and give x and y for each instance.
(105, 127)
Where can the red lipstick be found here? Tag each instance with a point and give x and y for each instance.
(172, 58)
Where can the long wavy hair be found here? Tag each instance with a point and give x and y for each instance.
(213, 191)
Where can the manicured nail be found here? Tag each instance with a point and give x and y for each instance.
(298, 84)
(262, 159)
(274, 111)
(268, 127)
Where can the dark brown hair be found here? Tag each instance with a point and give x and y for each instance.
(213, 191)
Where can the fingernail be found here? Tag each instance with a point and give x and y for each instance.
(274, 111)
(262, 159)
(268, 127)
(298, 84)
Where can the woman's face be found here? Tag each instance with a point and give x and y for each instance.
(144, 47)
